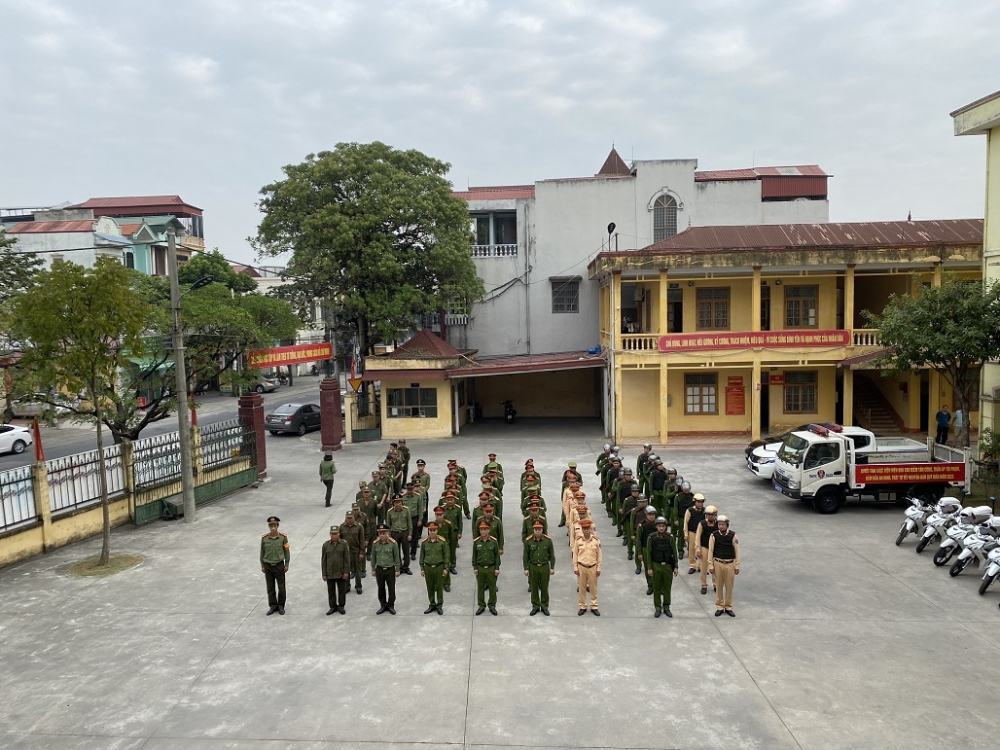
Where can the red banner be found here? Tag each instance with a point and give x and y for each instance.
(904, 473)
(290, 355)
(753, 340)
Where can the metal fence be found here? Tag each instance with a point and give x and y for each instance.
(76, 480)
(156, 460)
(223, 443)
(17, 498)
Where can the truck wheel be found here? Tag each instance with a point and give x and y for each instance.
(987, 582)
(828, 500)
(922, 544)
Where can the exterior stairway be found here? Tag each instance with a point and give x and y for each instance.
(872, 411)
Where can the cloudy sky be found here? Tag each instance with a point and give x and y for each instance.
(210, 98)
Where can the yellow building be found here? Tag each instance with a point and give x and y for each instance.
(753, 329)
(982, 117)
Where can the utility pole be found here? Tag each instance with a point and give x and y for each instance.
(180, 386)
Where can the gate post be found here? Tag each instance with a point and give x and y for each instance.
(251, 415)
(330, 414)
(350, 412)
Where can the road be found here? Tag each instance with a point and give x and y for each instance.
(214, 407)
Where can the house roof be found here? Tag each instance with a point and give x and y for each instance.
(248, 270)
(755, 173)
(614, 165)
(424, 345)
(973, 105)
(128, 230)
(497, 193)
(852, 363)
(410, 376)
(519, 363)
(52, 227)
(133, 205)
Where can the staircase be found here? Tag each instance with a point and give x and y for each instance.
(872, 411)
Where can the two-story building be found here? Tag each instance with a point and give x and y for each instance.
(73, 235)
(751, 329)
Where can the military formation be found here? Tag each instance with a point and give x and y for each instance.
(651, 508)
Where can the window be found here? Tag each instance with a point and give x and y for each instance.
(505, 229)
(565, 294)
(713, 308)
(822, 454)
(129, 259)
(700, 393)
(800, 306)
(765, 308)
(481, 229)
(412, 402)
(800, 392)
(664, 218)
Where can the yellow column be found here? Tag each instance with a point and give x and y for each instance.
(848, 306)
(754, 383)
(755, 302)
(664, 286)
(664, 392)
(616, 310)
(937, 275)
(848, 396)
(616, 396)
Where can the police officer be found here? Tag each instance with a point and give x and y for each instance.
(399, 527)
(486, 567)
(704, 533)
(646, 527)
(724, 564)
(587, 560)
(386, 565)
(692, 519)
(434, 564)
(539, 566)
(335, 563)
(274, 558)
(661, 555)
(354, 534)
(327, 468)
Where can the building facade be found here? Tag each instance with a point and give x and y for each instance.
(73, 235)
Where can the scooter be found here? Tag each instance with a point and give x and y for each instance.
(916, 516)
(509, 412)
(992, 571)
(968, 519)
(944, 517)
(977, 547)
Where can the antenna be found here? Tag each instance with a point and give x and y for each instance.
(753, 159)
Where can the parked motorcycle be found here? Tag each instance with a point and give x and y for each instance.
(509, 412)
(992, 571)
(968, 519)
(936, 527)
(978, 546)
(916, 516)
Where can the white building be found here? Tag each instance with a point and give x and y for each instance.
(533, 242)
(73, 235)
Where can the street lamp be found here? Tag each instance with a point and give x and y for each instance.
(180, 372)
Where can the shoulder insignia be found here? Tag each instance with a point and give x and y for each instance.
(528, 538)
(546, 536)
(282, 533)
(262, 536)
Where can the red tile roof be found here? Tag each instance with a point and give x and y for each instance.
(754, 173)
(128, 230)
(51, 227)
(500, 192)
(424, 345)
(527, 363)
(140, 205)
(614, 165)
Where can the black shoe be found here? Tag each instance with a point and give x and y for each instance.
(692, 571)
(432, 608)
(448, 589)
(638, 571)
(328, 505)
(545, 612)
(382, 609)
(613, 522)
(649, 591)
(357, 589)
(657, 613)
(581, 612)
(480, 610)
(533, 612)
(704, 589)
(364, 573)
(341, 610)
(562, 524)
(730, 613)
(413, 555)
(453, 571)
(718, 612)
(630, 555)
(272, 610)
(668, 613)
(595, 612)
(467, 515)
(331, 610)
(493, 611)
(281, 610)
(408, 572)
(440, 609)
(392, 611)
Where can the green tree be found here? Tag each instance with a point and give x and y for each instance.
(952, 329)
(79, 327)
(212, 264)
(374, 230)
(18, 271)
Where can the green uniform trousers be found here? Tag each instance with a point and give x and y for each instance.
(663, 580)
(486, 580)
(434, 578)
(538, 580)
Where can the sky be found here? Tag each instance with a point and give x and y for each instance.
(208, 99)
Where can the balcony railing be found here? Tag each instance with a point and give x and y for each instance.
(640, 342)
(494, 251)
(866, 337)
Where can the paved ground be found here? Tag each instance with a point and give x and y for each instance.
(842, 640)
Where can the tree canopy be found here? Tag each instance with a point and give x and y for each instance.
(952, 329)
(212, 263)
(374, 230)
(18, 268)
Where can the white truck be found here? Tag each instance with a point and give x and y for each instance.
(827, 465)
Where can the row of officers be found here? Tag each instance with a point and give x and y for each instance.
(654, 530)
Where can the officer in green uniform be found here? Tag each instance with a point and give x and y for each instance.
(423, 480)
(486, 566)
(645, 528)
(632, 521)
(496, 525)
(539, 566)
(491, 463)
(446, 531)
(661, 554)
(399, 529)
(386, 567)
(683, 501)
(529, 471)
(335, 564)
(354, 534)
(434, 564)
(462, 477)
(327, 468)
(534, 514)
(404, 457)
(274, 559)
(453, 514)
(413, 499)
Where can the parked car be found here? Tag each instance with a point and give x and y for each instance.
(35, 405)
(14, 438)
(266, 384)
(297, 418)
(770, 439)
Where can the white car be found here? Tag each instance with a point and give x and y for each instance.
(14, 438)
(761, 460)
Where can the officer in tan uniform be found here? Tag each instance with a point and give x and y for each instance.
(587, 561)
(704, 533)
(693, 516)
(724, 565)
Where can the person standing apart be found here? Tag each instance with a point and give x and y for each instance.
(486, 567)
(327, 468)
(661, 554)
(386, 564)
(724, 559)
(587, 559)
(274, 558)
(943, 421)
(539, 567)
(434, 564)
(335, 562)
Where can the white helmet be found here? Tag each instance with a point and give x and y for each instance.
(686, 487)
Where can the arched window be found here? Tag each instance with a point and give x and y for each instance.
(664, 218)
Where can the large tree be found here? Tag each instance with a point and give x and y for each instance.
(374, 231)
(18, 271)
(212, 263)
(79, 327)
(952, 329)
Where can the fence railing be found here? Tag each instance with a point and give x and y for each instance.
(75, 480)
(224, 443)
(640, 342)
(494, 251)
(866, 337)
(156, 460)
(17, 498)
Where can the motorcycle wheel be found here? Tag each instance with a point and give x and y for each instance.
(959, 566)
(922, 544)
(987, 582)
(902, 535)
(943, 555)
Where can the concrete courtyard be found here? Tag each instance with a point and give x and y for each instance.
(841, 639)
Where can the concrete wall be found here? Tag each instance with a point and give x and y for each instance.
(567, 393)
(640, 408)
(418, 427)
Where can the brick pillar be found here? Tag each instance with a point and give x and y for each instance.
(251, 414)
(330, 414)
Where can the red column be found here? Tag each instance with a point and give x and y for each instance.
(330, 414)
(251, 414)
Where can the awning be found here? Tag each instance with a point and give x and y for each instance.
(856, 362)
(412, 376)
(522, 363)
(145, 363)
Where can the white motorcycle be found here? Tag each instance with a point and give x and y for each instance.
(944, 517)
(916, 518)
(992, 571)
(978, 546)
(968, 519)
